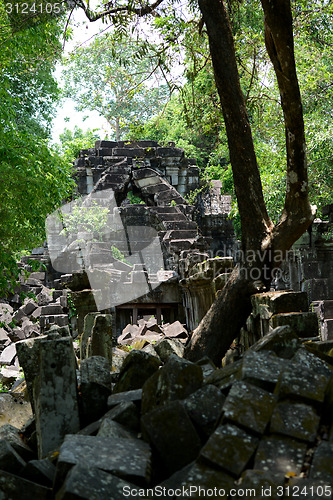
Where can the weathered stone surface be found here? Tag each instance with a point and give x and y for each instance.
(91, 483)
(177, 379)
(55, 394)
(134, 396)
(168, 347)
(126, 458)
(44, 297)
(127, 414)
(95, 387)
(230, 447)
(28, 355)
(279, 454)
(282, 340)
(118, 356)
(137, 367)
(295, 420)
(261, 485)
(198, 475)
(29, 306)
(297, 381)
(101, 337)
(204, 407)
(262, 368)
(171, 432)
(322, 463)
(249, 406)
(304, 324)
(13, 487)
(6, 312)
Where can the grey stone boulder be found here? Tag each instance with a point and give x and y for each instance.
(12, 435)
(262, 368)
(129, 459)
(137, 367)
(223, 378)
(230, 448)
(95, 387)
(8, 355)
(175, 330)
(134, 396)
(109, 428)
(177, 379)
(264, 483)
(204, 407)
(172, 434)
(44, 297)
(322, 463)
(101, 337)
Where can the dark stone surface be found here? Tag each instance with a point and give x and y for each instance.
(280, 454)
(322, 463)
(95, 387)
(204, 407)
(90, 483)
(127, 414)
(282, 340)
(10, 460)
(295, 420)
(230, 447)
(171, 432)
(249, 406)
(13, 487)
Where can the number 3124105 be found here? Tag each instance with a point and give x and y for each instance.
(34, 8)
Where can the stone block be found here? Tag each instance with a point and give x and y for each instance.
(231, 448)
(298, 421)
(127, 414)
(8, 355)
(327, 330)
(171, 432)
(51, 310)
(282, 340)
(249, 406)
(44, 297)
(177, 379)
(40, 471)
(134, 396)
(91, 483)
(326, 309)
(55, 394)
(297, 381)
(262, 368)
(12, 436)
(223, 378)
(29, 307)
(137, 367)
(10, 460)
(304, 324)
(101, 337)
(280, 302)
(87, 327)
(204, 407)
(109, 428)
(13, 487)
(168, 347)
(129, 459)
(198, 475)
(176, 329)
(322, 463)
(95, 387)
(261, 485)
(280, 454)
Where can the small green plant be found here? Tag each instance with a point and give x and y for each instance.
(117, 254)
(90, 218)
(173, 203)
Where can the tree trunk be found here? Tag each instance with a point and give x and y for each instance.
(263, 244)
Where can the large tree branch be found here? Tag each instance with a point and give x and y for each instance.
(139, 11)
(254, 218)
(297, 213)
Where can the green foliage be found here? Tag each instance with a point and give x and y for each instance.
(71, 141)
(133, 199)
(118, 77)
(34, 179)
(90, 218)
(117, 254)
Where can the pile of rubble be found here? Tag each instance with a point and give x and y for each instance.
(263, 423)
